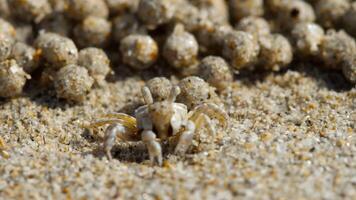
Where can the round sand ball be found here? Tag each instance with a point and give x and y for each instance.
(241, 49)
(58, 5)
(194, 91)
(81, 9)
(181, 48)
(257, 26)
(219, 34)
(205, 37)
(6, 44)
(118, 7)
(216, 72)
(57, 23)
(4, 9)
(126, 24)
(73, 83)
(155, 12)
(349, 68)
(349, 20)
(273, 6)
(44, 38)
(160, 88)
(47, 77)
(57, 50)
(276, 52)
(216, 10)
(139, 51)
(26, 56)
(12, 79)
(6, 28)
(312, 2)
(30, 10)
(330, 12)
(210, 37)
(96, 62)
(188, 15)
(307, 38)
(243, 8)
(294, 12)
(24, 32)
(335, 47)
(93, 31)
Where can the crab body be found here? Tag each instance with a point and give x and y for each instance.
(161, 120)
(165, 119)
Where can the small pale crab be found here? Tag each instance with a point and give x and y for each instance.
(159, 121)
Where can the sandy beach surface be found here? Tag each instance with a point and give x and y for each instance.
(291, 136)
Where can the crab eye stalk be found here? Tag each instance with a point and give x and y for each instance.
(174, 93)
(147, 96)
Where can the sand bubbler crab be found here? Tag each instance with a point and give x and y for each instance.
(160, 121)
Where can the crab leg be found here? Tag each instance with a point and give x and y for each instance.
(185, 138)
(147, 96)
(117, 130)
(128, 121)
(203, 120)
(154, 148)
(100, 123)
(121, 116)
(212, 111)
